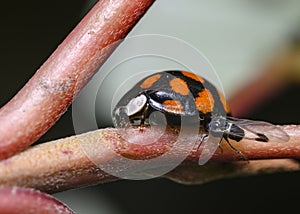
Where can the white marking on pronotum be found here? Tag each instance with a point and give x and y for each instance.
(136, 104)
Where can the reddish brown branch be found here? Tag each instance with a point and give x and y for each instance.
(62, 164)
(19, 200)
(51, 90)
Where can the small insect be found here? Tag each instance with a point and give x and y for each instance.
(179, 94)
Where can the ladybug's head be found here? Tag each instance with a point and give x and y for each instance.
(134, 110)
(136, 106)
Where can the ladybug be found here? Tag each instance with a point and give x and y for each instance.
(178, 94)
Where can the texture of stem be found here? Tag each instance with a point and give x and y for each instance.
(17, 200)
(47, 95)
(64, 164)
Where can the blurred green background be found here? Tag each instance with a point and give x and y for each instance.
(239, 37)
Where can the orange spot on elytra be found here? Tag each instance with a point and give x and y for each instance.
(205, 101)
(173, 106)
(224, 102)
(179, 86)
(150, 81)
(193, 76)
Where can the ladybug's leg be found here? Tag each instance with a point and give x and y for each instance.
(203, 135)
(235, 149)
(220, 145)
(143, 118)
(203, 138)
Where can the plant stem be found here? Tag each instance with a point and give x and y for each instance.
(63, 164)
(26, 201)
(47, 95)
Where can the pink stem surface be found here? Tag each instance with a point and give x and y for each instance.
(16, 200)
(47, 95)
(78, 160)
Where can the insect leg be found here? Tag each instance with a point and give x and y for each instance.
(203, 138)
(235, 149)
(220, 146)
(143, 118)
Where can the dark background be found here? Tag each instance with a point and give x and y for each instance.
(31, 30)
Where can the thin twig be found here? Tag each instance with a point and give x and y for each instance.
(63, 164)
